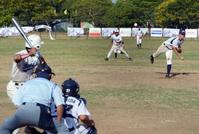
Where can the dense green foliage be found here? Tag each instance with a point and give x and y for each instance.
(103, 13)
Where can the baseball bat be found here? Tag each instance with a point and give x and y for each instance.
(21, 32)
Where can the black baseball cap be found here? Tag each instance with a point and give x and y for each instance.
(182, 32)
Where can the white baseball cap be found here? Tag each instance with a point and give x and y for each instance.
(35, 41)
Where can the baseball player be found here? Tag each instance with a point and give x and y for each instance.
(171, 45)
(117, 46)
(139, 35)
(75, 110)
(33, 104)
(24, 62)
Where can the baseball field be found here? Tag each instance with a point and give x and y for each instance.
(124, 97)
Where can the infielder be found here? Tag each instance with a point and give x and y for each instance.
(167, 47)
(24, 62)
(33, 101)
(139, 35)
(77, 118)
(117, 46)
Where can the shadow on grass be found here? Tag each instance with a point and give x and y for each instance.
(176, 73)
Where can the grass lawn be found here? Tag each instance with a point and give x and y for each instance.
(124, 97)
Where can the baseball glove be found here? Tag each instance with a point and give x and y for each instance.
(178, 49)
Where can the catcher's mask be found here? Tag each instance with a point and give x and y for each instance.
(44, 71)
(70, 87)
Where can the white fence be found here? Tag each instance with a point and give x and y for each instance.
(106, 32)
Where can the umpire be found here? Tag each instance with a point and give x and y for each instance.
(33, 102)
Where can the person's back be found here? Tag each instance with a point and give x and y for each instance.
(77, 118)
(38, 90)
(173, 41)
(74, 107)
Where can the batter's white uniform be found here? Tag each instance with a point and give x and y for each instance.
(117, 46)
(74, 107)
(166, 48)
(22, 72)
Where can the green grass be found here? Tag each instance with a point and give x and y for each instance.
(84, 58)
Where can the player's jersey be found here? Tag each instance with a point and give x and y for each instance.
(139, 33)
(74, 107)
(173, 41)
(116, 39)
(22, 71)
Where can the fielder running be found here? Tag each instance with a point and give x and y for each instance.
(77, 118)
(167, 47)
(117, 46)
(139, 35)
(24, 62)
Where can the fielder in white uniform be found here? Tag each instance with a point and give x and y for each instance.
(167, 47)
(139, 35)
(23, 64)
(76, 115)
(117, 46)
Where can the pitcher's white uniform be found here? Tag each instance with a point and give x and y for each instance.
(117, 46)
(167, 47)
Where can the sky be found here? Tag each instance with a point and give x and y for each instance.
(114, 1)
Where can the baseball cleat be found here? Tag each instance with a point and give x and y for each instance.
(130, 59)
(106, 59)
(152, 59)
(168, 76)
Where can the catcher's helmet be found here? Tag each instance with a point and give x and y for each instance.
(70, 87)
(44, 71)
(35, 41)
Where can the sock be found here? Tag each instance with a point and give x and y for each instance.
(169, 66)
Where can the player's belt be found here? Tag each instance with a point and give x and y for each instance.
(167, 47)
(37, 104)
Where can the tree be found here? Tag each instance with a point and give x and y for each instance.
(6, 13)
(90, 11)
(126, 12)
(28, 12)
(178, 13)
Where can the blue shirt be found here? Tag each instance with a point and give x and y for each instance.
(38, 90)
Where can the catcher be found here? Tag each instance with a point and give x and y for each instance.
(171, 45)
(76, 115)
